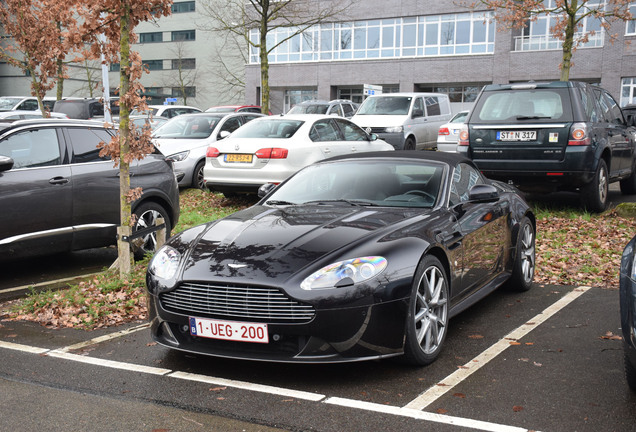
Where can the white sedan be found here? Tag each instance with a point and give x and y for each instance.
(272, 148)
(184, 140)
(448, 133)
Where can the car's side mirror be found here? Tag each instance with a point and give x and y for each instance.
(266, 189)
(483, 193)
(417, 113)
(224, 134)
(373, 137)
(6, 163)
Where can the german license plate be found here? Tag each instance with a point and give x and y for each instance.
(517, 136)
(241, 158)
(229, 330)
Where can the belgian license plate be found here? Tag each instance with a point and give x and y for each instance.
(229, 330)
(241, 158)
(517, 136)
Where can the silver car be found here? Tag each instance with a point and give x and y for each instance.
(448, 133)
(270, 149)
(184, 140)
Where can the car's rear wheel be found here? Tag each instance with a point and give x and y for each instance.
(524, 264)
(595, 193)
(427, 317)
(409, 144)
(630, 371)
(628, 186)
(198, 181)
(146, 216)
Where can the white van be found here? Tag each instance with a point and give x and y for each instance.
(405, 120)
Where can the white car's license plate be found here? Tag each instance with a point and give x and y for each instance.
(229, 330)
(517, 136)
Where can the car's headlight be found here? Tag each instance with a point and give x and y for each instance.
(165, 263)
(395, 129)
(344, 273)
(178, 157)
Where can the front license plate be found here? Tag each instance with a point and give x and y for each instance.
(241, 158)
(229, 330)
(517, 136)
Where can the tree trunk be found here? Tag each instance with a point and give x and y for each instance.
(264, 67)
(568, 43)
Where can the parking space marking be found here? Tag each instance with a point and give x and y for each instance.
(109, 363)
(422, 415)
(23, 348)
(104, 338)
(448, 383)
(249, 386)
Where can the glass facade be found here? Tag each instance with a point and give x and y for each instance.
(183, 35)
(421, 36)
(150, 37)
(183, 7)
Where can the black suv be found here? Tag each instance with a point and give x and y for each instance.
(545, 137)
(57, 194)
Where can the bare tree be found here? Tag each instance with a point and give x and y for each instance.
(240, 17)
(228, 77)
(183, 71)
(568, 18)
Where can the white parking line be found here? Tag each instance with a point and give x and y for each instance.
(444, 386)
(104, 338)
(109, 363)
(23, 348)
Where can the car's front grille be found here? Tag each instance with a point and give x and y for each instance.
(261, 304)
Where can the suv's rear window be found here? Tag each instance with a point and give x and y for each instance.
(523, 105)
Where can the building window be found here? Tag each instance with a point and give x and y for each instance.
(456, 92)
(183, 35)
(184, 63)
(114, 67)
(190, 92)
(183, 7)
(628, 91)
(153, 64)
(293, 97)
(631, 24)
(151, 37)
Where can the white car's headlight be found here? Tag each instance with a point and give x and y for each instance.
(165, 263)
(178, 157)
(345, 273)
(395, 129)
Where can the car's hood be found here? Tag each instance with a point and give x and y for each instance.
(379, 120)
(262, 243)
(169, 146)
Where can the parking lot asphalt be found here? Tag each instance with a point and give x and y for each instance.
(543, 360)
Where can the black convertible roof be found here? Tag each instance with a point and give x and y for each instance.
(451, 159)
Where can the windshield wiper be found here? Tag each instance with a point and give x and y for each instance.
(276, 202)
(532, 117)
(347, 201)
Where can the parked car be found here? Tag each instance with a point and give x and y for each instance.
(24, 103)
(235, 108)
(353, 258)
(81, 109)
(448, 133)
(339, 107)
(408, 121)
(153, 121)
(629, 112)
(627, 288)
(167, 111)
(552, 136)
(185, 139)
(270, 149)
(57, 194)
(24, 115)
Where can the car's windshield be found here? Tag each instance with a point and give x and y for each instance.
(221, 109)
(313, 108)
(385, 105)
(460, 117)
(188, 127)
(7, 103)
(267, 127)
(520, 105)
(392, 183)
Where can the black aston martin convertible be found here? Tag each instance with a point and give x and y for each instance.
(352, 258)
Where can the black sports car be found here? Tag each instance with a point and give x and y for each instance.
(628, 310)
(353, 258)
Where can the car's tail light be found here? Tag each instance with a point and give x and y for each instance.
(463, 137)
(212, 152)
(579, 135)
(443, 131)
(272, 153)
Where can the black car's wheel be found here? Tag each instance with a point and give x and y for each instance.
(628, 186)
(147, 214)
(595, 193)
(427, 318)
(409, 144)
(524, 264)
(630, 371)
(198, 180)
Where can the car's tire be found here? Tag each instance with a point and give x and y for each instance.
(628, 185)
(596, 192)
(427, 317)
(198, 181)
(409, 144)
(146, 216)
(525, 260)
(630, 371)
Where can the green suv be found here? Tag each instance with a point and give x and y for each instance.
(545, 137)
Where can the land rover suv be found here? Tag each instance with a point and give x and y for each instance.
(545, 137)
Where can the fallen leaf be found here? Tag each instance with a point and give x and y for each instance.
(216, 389)
(441, 411)
(517, 408)
(475, 336)
(460, 395)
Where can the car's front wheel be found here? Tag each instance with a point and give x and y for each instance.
(595, 193)
(146, 216)
(524, 263)
(427, 318)
(409, 144)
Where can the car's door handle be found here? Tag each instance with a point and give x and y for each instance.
(58, 180)
(327, 150)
